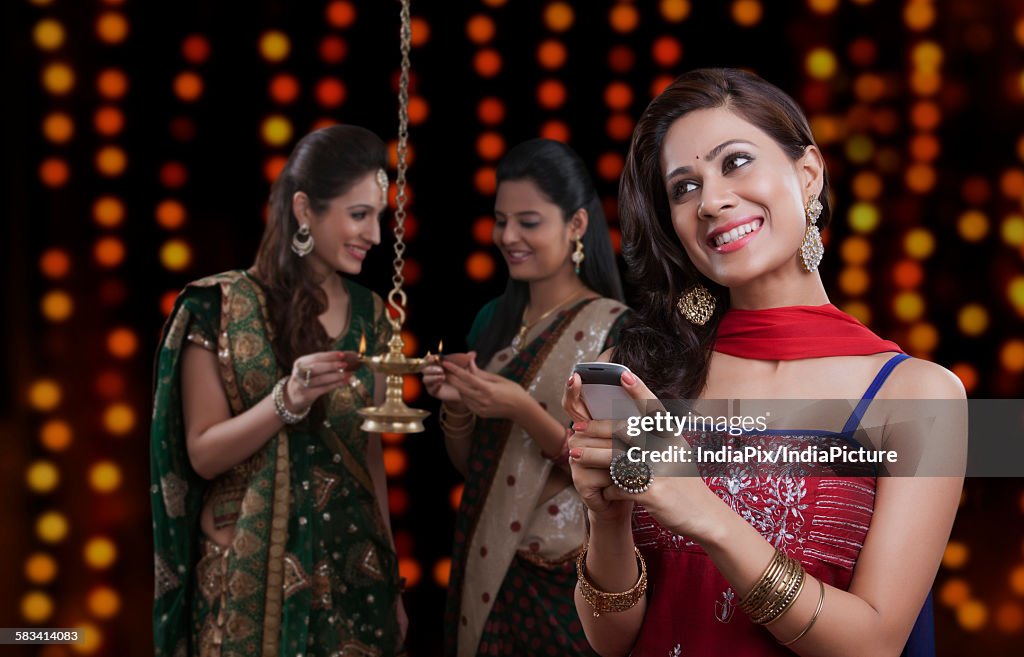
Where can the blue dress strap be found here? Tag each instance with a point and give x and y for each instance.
(862, 406)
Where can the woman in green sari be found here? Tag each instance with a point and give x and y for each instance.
(520, 523)
(269, 502)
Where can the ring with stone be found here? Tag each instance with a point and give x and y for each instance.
(304, 374)
(634, 477)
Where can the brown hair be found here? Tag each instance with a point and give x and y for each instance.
(325, 164)
(656, 263)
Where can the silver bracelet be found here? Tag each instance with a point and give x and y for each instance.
(281, 409)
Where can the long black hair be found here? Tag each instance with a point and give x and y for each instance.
(325, 164)
(560, 175)
(655, 259)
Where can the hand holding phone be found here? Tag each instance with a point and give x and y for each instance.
(603, 394)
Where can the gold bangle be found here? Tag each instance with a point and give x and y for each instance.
(768, 580)
(810, 623)
(779, 597)
(455, 414)
(604, 602)
(786, 601)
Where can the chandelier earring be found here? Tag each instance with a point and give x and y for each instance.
(578, 255)
(696, 305)
(302, 241)
(812, 250)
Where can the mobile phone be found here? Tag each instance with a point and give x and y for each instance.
(602, 390)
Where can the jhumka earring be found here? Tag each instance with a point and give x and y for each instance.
(302, 241)
(382, 182)
(577, 255)
(812, 249)
(697, 305)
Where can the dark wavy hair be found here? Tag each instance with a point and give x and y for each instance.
(562, 178)
(325, 164)
(655, 260)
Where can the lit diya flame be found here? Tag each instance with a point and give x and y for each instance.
(362, 344)
(440, 347)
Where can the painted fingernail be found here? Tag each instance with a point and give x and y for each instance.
(628, 378)
(568, 384)
(579, 426)
(576, 453)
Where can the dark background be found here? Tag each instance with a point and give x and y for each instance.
(904, 76)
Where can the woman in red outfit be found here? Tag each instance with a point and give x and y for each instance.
(722, 200)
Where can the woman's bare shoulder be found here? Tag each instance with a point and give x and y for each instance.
(916, 378)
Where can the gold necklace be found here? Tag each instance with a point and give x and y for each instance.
(519, 341)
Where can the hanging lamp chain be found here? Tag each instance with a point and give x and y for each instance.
(397, 298)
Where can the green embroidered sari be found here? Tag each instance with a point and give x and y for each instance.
(310, 568)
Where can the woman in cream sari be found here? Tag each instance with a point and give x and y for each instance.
(520, 523)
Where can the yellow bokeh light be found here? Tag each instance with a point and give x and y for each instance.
(40, 568)
(859, 149)
(108, 211)
(111, 160)
(55, 435)
(923, 338)
(56, 306)
(104, 602)
(973, 319)
(91, 641)
(675, 11)
(42, 476)
(99, 552)
(44, 395)
(52, 527)
(972, 615)
(908, 306)
(1015, 293)
(859, 311)
(854, 281)
(105, 476)
(927, 55)
(821, 63)
(175, 255)
(747, 13)
(955, 555)
(276, 130)
(919, 15)
(1011, 356)
(919, 243)
(36, 607)
(58, 127)
(274, 46)
(855, 250)
(58, 78)
(112, 27)
(559, 16)
(48, 34)
(119, 419)
(863, 217)
(954, 592)
(973, 225)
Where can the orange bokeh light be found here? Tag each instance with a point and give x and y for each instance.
(108, 211)
(621, 59)
(331, 92)
(273, 166)
(618, 96)
(924, 147)
(487, 63)
(551, 54)
(967, 374)
(619, 127)
(491, 111)
(55, 435)
(122, 343)
(112, 27)
(284, 88)
(551, 94)
(480, 29)
(666, 51)
(112, 83)
(556, 130)
(490, 145)
(108, 251)
(55, 263)
(480, 266)
(188, 86)
(559, 16)
(58, 127)
(170, 214)
(747, 13)
(925, 115)
(333, 49)
(483, 230)
(54, 172)
(108, 121)
(1011, 183)
(340, 14)
(609, 166)
(111, 161)
(419, 110)
(395, 460)
(484, 180)
(624, 18)
(907, 274)
(173, 175)
(420, 32)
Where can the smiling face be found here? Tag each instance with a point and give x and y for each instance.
(347, 228)
(531, 232)
(736, 198)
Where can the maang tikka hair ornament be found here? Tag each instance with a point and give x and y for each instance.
(302, 241)
(812, 249)
(697, 305)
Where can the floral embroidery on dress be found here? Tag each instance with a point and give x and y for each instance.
(724, 609)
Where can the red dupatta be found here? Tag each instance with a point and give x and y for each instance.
(795, 332)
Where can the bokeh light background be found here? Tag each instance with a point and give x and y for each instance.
(141, 139)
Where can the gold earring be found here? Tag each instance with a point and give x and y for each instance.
(697, 305)
(302, 241)
(811, 250)
(577, 255)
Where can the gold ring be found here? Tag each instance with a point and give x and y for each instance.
(304, 373)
